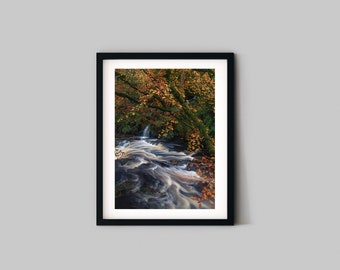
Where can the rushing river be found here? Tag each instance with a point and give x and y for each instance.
(151, 174)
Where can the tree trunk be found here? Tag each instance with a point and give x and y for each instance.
(207, 140)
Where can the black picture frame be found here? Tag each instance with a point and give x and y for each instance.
(229, 58)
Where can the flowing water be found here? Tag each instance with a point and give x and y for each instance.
(151, 174)
(146, 132)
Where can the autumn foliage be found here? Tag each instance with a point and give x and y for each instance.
(177, 103)
(205, 167)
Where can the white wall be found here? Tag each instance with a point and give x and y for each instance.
(288, 100)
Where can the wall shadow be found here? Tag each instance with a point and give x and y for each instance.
(241, 198)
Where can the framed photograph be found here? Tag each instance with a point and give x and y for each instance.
(165, 138)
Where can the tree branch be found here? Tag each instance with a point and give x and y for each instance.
(136, 101)
(122, 77)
